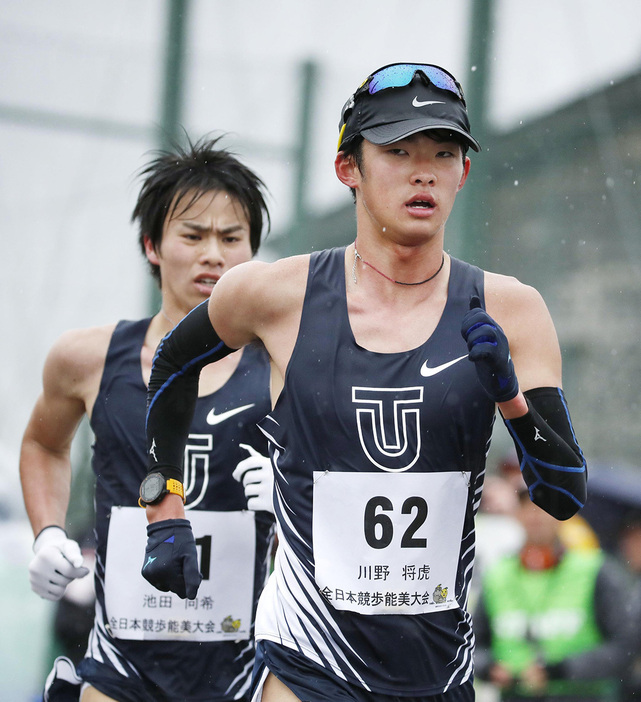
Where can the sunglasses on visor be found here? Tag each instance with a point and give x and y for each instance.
(399, 75)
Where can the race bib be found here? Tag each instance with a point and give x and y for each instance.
(222, 609)
(388, 543)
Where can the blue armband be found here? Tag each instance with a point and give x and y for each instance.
(173, 388)
(551, 460)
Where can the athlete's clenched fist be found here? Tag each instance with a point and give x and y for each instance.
(490, 352)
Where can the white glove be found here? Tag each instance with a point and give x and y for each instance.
(57, 562)
(257, 477)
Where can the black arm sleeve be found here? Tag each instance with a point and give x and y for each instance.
(173, 388)
(552, 463)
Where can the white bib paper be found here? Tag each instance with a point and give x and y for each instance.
(222, 609)
(388, 543)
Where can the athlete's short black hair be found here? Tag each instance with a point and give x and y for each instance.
(197, 168)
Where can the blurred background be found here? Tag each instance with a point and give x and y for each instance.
(89, 89)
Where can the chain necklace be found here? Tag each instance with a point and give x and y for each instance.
(167, 317)
(398, 282)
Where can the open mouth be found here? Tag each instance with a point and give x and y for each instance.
(421, 204)
(206, 285)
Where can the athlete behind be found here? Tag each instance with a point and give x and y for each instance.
(200, 213)
(389, 358)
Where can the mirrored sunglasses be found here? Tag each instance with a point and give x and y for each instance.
(399, 75)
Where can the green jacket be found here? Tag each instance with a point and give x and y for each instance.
(544, 616)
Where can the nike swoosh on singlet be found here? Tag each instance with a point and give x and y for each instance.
(422, 103)
(428, 372)
(213, 418)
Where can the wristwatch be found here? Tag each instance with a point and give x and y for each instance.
(155, 486)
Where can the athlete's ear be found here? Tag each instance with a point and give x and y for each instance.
(346, 170)
(150, 251)
(466, 170)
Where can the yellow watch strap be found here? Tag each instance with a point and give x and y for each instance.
(173, 486)
(176, 487)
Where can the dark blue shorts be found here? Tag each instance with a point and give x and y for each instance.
(124, 689)
(108, 681)
(312, 683)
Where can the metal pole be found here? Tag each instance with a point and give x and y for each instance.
(298, 242)
(171, 108)
(172, 102)
(472, 209)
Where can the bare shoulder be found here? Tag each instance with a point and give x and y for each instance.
(76, 360)
(252, 297)
(270, 281)
(522, 313)
(507, 297)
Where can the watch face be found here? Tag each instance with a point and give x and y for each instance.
(152, 487)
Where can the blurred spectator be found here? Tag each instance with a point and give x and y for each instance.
(630, 545)
(498, 531)
(551, 622)
(574, 532)
(630, 553)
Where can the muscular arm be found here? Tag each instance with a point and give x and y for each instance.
(251, 301)
(70, 381)
(180, 357)
(534, 345)
(173, 388)
(242, 308)
(171, 559)
(535, 412)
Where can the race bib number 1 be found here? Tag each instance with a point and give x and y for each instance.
(388, 543)
(222, 609)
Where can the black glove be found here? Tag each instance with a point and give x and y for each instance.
(489, 350)
(171, 559)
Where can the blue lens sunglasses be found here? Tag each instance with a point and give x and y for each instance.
(398, 75)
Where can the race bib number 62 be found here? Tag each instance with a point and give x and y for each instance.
(387, 543)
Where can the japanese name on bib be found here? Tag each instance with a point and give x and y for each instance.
(222, 609)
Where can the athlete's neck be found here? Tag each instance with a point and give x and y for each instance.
(360, 261)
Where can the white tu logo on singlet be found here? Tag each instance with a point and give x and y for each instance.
(388, 422)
